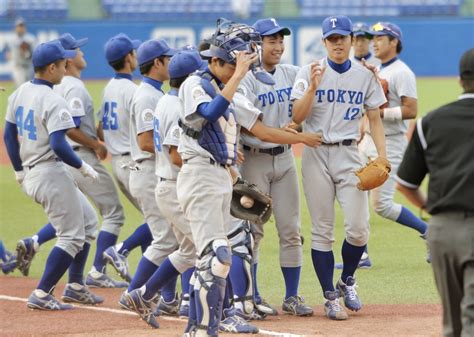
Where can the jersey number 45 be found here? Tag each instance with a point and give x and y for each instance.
(110, 118)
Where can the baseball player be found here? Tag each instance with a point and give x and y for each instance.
(114, 129)
(20, 49)
(7, 260)
(273, 169)
(329, 97)
(166, 140)
(361, 44)
(153, 58)
(402, 106)
(37, 121)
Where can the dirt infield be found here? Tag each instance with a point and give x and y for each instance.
(373, 320)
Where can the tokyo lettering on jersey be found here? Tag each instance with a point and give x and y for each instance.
(115, 114)
(339, 100)
(73, 90)
(37, 112)
(271, 100)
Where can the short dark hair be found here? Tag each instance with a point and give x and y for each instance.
(42, 69)
(468, 85)
(221, 61)
(399, 44)
(146, 67)
(278, 34)
(176, 82)
(120, 63)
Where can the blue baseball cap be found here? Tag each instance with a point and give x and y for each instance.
(190, 47)
(49, 52)
(361, 29)
(69, 42)
(183, 63)
(151, 49)
(270, 26)
(119, 46)
(339, 24)
(387, 28)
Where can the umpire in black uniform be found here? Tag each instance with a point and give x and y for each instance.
(443, 147)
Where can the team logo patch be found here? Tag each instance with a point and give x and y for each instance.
(301, 85)
(242, 90)
(197, 92)
(147, 116)
(176, 132)
(65, 116)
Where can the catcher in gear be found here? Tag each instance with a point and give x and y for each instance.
(259, 212)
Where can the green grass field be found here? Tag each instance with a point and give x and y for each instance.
(400, 273)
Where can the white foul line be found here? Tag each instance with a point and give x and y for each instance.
(125, 312)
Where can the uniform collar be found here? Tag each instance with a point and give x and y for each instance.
(42, 82)
(173, 92)
(340, 68)
(386, 64)
(154, 83)
(366, 57)
(122, 75)
(468, 95)
(219, 83)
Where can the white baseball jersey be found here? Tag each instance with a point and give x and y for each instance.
(167, 133)
(21, 57)
(115, 114)
(80, 104)
(370, 59)
(271, 100)
(37, 112)
(192, 94)
(401, 82)
(141, 117)
(339, 100)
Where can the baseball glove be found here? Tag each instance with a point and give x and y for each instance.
(259, 212)
(374, 174)
(384, 84)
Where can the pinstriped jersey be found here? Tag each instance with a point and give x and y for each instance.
(37, 112)
(401, 82)
(79, 100)
(115, 114)
(272, 100)
(339, 100)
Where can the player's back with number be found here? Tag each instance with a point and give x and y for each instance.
(115, 112)
(37, 111)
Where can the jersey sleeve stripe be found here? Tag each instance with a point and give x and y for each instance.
(405, 183)
(421, 135)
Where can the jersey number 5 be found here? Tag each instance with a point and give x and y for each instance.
(27, 125)
(110, 118)
(156, 134)
(351, 114)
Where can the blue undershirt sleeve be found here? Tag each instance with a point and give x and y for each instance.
(10, 137)
(213, 110)
(77, 121)
(63, 150)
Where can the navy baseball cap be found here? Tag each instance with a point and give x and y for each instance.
(69, 42)
(119, 46)
(225, 48)
(49, 52)
(183, 63)
(387, 28)
(361, 29)
(270, 26)
(339, 24)
(151, 49)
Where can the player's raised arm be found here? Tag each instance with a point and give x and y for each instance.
(281, 136)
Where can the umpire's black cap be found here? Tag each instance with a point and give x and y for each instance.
(466, 65)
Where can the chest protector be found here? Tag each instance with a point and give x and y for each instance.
(219, 138)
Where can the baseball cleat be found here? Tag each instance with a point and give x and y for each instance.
(348, 291)
(167, 308)
(142, 307)
(333, 308)
(77, 293)
(364, 263)
(234, 323)
(44, 301)
(183, 311)
(253, 316)
(294, 305)
(10, 264)
(96, 279)
(118, 261)
(265, 308)
(123, 301)
(25, 250)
